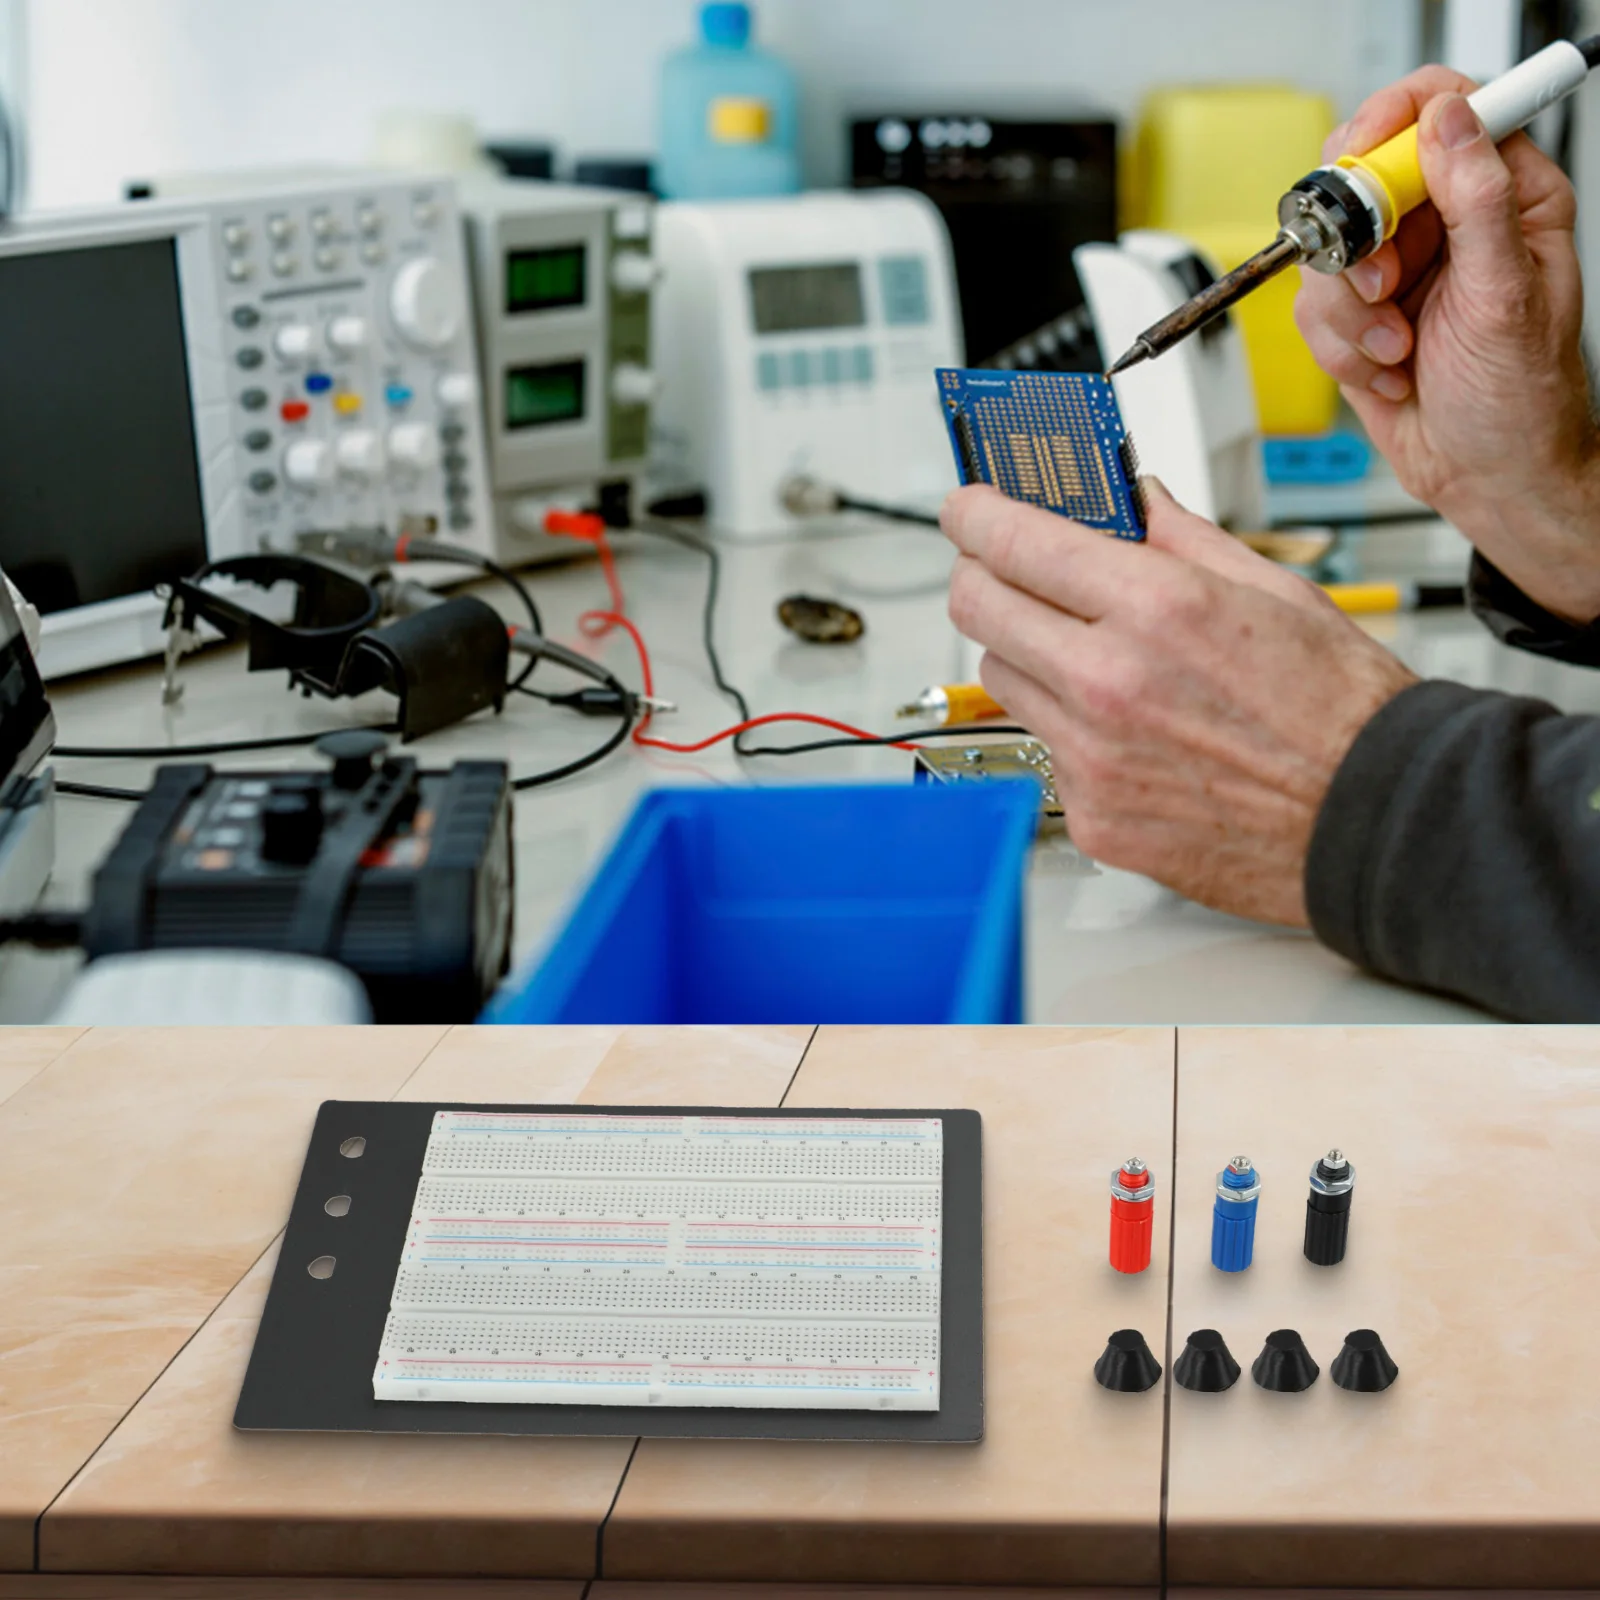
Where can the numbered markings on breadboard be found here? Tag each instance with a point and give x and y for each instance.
(805, 1249)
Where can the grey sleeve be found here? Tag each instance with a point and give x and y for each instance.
(1458, 849)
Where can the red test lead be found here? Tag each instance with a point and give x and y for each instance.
(1133, 1188)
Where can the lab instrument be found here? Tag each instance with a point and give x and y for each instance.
(1284, 1365)
(796, 336)
(1339, 214)
(565, 282)
(1133, 1192)
(1233, 1215)
(206, 377)
(1019, 191)
(27, 784)
(1052, 439)
(401, 875)
(1333, 1182)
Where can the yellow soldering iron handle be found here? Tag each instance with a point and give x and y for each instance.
(1512, 101)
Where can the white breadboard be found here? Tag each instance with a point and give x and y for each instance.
(672, 1261)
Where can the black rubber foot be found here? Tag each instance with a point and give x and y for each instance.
(1127, 1365)
(1285, 1365)
(1206, 1365)
(1363, 1364)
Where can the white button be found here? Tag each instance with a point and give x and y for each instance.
(633, 385)
(236, 236)
(369, 220)
(424, 213)
(373, 254)
(284, 265)
(328, 259)
(321, 224)
(308, 463)
(294, 341)
(360, 453)
(633, 272)
(632, 222)
(280, 229)
(346, 335)
(239, 271)
(425, 301)
(458, 390)
(414, 446)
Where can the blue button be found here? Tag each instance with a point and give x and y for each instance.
(318, 383)
(767, 374)
(832, 365)
(861, 363)
(799, 368)
(397, 395)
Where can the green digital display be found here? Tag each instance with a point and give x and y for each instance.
(538, 396)
(545, 280)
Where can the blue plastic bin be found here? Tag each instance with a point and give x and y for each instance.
(843, 904)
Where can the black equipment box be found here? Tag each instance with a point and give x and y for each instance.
(403, 876)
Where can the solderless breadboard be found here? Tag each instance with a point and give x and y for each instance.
(1052, 439)
(671, 1260)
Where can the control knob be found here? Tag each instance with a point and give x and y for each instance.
(308, 464)
(414, 446)
(633, 385)
(457, 391)
(424, 302)
(359, 453)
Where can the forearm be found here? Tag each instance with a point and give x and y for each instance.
(1458, 850)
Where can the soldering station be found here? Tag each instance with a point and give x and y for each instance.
(295, 409)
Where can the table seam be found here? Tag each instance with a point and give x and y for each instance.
(811, 1039)
(1166, 1392)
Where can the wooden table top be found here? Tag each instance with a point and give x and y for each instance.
(145, 1177)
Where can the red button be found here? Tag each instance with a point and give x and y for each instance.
(294, 411)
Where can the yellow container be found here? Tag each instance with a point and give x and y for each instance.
(1210, 164)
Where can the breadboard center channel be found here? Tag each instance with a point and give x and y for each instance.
(669, 1260)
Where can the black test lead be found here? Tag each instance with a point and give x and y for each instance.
(1333, 1182)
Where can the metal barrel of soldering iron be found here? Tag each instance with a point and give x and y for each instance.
(1233, 1216)
(1339, 214)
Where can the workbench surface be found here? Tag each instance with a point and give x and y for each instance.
(145, 1178)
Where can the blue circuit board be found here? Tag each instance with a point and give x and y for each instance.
(1053, 439)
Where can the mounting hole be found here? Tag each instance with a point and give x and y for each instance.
(337, 1205)
(322, 1267)
(353, 1147)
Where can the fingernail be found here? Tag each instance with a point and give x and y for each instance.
(1338, 139)
(1383, 344)
(1366, 278)
(1149, 481)
(1391, 385)
(1455, 123)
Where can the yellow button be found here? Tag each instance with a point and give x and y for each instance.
(347, 404)
(735, 119)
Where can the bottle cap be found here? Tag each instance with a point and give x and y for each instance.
(1206, 1365)
(1285, 1365)
(725, 24)
(1363, 1364)
(1127, 1365)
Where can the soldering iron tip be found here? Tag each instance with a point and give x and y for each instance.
(1140, 352)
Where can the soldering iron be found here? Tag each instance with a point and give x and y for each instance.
(1339, 214)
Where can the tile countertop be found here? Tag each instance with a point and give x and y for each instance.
(1474, 1251)
(1065, 1487)
(146, 1177)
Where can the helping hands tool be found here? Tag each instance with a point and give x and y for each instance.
(1341, 213)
